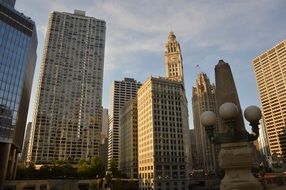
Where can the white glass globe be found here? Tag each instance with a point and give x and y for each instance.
(228, 111)
(252, 114)
(208, 118)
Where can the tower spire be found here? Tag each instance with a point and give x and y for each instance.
(173, 59)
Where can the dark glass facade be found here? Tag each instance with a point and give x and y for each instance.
(13, 58)
(18, 43)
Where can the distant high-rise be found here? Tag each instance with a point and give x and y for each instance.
(193, 148)
(263, 140)
(203, 99)
(24, 154)
(121, 93)
(163, 135)
(67, 118)
(105, 124)
(103, 148)
(18, 44)
(270, 72)
(128, 158)
(173, 59)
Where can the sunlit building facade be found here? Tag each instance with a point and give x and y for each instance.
(270, 72)
(163, 128)
(18, 44)
(68, 113)
(163, 135)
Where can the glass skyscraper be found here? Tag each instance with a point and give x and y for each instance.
(18, 44)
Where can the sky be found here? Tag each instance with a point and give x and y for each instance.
(137, 30)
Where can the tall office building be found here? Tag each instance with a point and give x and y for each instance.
(24, 154)
(121, 93)
(163, 128)
(128, 158)
(203, 99)
(163, 135)
(105, 124)
(67, 118)
(263, 140)
(18, 44)
(103, 147)
(193, 149)
(270, 72)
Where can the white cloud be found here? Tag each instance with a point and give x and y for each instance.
(207, 31)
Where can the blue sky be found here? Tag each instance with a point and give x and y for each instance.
(236, 31)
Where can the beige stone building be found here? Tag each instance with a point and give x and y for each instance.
(163, 128)
(121, 92)
(203, 99)
(270, 72)
(67, 116)
(163, 135)
(128, 159)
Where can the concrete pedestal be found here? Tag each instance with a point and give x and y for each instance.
(236, 160)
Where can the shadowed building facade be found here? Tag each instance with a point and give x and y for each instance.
(203, 99)
(270, 72)
(128, 159)
(18, 44)
(67, 116)
(121, 92)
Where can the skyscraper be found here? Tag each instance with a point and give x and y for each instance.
(128, 158)
(270, 72)
(203, 99)
(121, 93)
(163, 135)
(163, 128)
(24, 153)
(18, 44)
(67, 118)
(193, 148)
(103, 148)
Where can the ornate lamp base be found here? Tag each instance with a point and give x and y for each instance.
(236, 160)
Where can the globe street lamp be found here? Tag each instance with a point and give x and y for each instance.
(235, 155)
(228, 112)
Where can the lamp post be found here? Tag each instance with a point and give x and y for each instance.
(235, 155)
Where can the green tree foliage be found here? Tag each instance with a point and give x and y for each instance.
(60, 169)
(90, 169)
(114, 169)
(27, 172)
(83, 168)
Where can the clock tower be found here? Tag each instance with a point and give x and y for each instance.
(173, 59)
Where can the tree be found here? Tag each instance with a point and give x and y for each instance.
(94, 186)
(97, 167)
(27, 172)
(83, 168)
(44, 172)
(114, 168)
